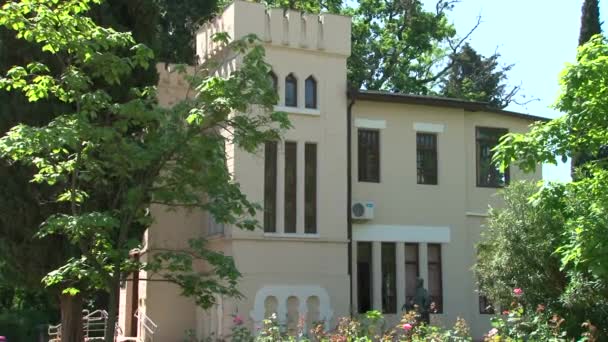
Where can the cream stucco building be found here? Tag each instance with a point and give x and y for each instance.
(367, 192)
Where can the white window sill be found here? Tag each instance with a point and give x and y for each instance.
(292, 235)
(298, 110)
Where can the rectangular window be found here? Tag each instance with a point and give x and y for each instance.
(412, 272)
(310, 188)
(214, 227)
(270, 187)
(488, 175)
(364, 276)
(435, 279)
(389, 278)
(291, 184)
(369, 155)
(485, 306)
(426, 158)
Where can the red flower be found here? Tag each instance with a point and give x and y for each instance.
(518, 291)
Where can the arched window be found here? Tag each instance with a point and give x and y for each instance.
(291, 91)
(311, 92)
(274, 80)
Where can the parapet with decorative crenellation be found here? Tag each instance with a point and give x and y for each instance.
(276, 27)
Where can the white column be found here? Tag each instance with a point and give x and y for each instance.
(400, 259)
(377, 275)
(282, 310)
(424, 264)
(300, 188)
(280, 187)
(303, 311)
(353, 279)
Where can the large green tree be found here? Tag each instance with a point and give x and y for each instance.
(108, 159)
(165, 26)
(517, 250)
(477, 78)
(583, 202)
(400, 46)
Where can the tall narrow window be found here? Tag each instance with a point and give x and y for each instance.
(310, 188)
(435, 278)
(485, 305)
(291, 176)
(291, 91)
(364, 276)
(488, 174)
(274, 80)
(311, 92)
(426, 158)
(412, 272)
(389, 278)
(369, 155)
(270, 187)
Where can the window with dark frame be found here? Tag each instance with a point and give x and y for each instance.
(488, 174)
(435, 286)
(270, 187)
(369, 155)
(389, 278)
(364, 277)
(291, 192)
(426, 158)
(485, 306)
(274, 80)
(412, 273)
(310, 96)
(310, 188)
(291, 91)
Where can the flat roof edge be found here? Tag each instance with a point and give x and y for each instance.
(380, 96)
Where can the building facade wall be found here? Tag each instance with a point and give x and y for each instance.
(407, 212)
(306, 274)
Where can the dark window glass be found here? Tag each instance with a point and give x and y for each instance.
(364, 276)
(485, 306)
(310, 188)
(412, 272)
(291, 176)
(311, 92)
(291, 91)
(435, 279)
(369, 155)
(274, 80)
(270, 186)
(426, 158)
(389, 278)
(488, 174)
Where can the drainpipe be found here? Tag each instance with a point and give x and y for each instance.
(351, 95)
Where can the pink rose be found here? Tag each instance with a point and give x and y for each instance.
(518, 292)
(407, 327)
(237, 320)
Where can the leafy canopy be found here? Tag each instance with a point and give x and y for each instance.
(110, 160)
(583, 129)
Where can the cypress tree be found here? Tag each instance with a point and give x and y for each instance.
(590, 26)
(590, 21)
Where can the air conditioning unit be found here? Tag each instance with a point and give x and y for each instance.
(362, 210)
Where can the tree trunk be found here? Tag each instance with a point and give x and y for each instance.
(112, 309)
(71, 318)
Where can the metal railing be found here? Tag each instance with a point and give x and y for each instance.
(93, 325)
(145, 326)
